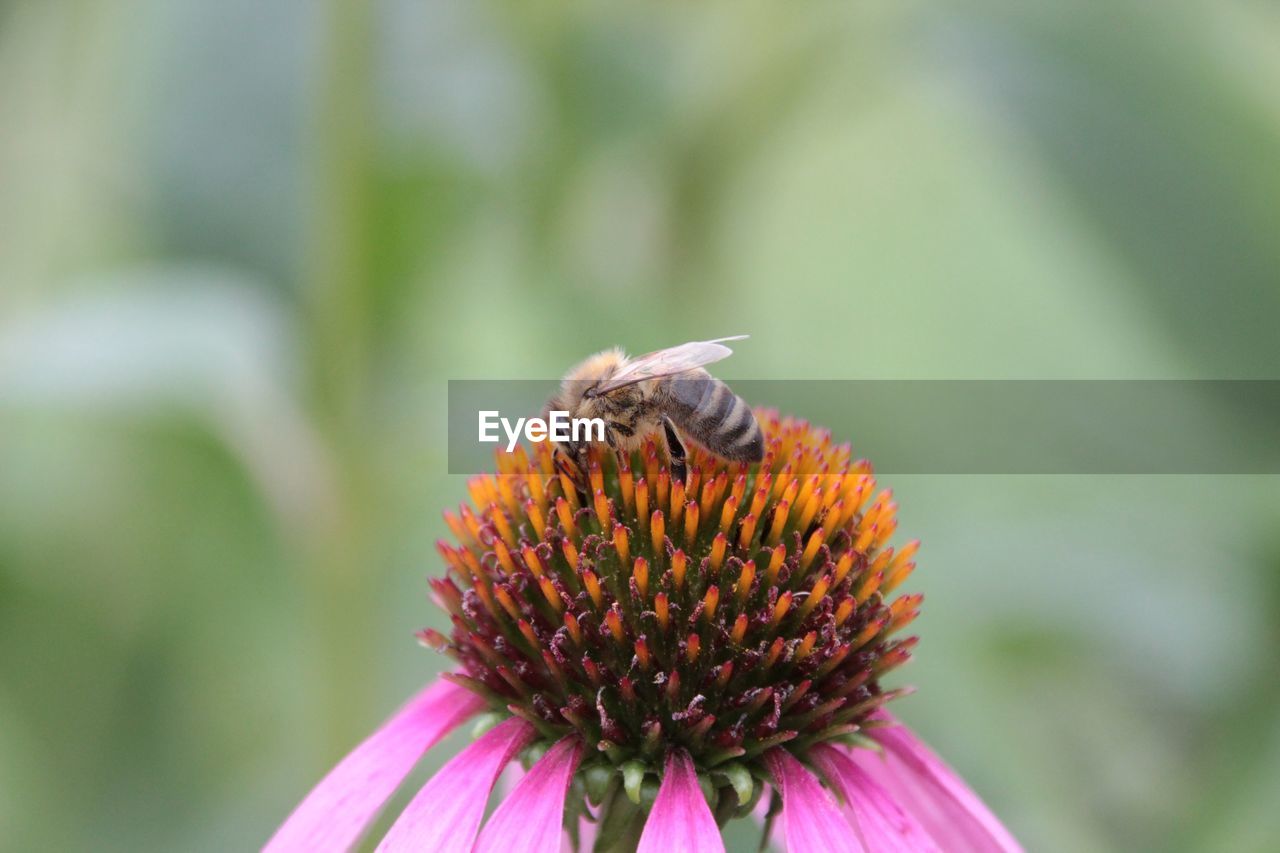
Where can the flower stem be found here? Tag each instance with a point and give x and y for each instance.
(775, 808)
(621, 823)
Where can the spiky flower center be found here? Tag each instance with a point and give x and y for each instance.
(740, 610)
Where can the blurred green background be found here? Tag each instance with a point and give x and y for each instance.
(244, 244)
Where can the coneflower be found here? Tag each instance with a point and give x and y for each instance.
(664, 657)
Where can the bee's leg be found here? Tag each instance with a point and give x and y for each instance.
(573, 470)
(613, 435)
(675, 450)
(582, 459)
(612, 441)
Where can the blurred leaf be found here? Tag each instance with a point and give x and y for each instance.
(1161, 142)
(199, 341)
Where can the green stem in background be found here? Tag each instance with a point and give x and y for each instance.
(340, 263)
(338, 287)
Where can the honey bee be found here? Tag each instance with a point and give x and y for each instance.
(667, 392)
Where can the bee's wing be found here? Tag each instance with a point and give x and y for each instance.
(666, 362)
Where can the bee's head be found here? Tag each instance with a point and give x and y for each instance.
(570, 454)
(582, 382)
(579, 395)
(580, 389)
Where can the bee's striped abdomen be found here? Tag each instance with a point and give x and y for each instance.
(706, 410)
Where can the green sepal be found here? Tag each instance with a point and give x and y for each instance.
(757, 791)
(534, 752)
(861, 741)
(722, 755)
(632, 776)
(740, 778)
(596, 778)
(708, 789)
(487, 721)
(648, 793)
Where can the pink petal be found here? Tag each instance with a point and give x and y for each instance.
(446, 813)
(810, 818)
(531, 818)
(586, 828)
(337, 811)
(586, 836)
(934, 793)
(681, 821)
(880, 821)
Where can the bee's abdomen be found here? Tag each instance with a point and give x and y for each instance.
(712, 415)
